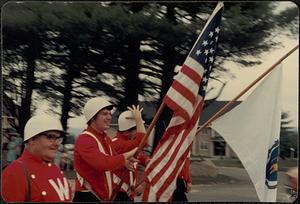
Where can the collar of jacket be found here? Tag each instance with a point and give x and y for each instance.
(96, 133)
(29, 156)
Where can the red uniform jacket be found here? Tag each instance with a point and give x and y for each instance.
(185, 172)
(94, 162)
(47, 181)
(121, 143)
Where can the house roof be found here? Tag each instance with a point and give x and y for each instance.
(213, 108)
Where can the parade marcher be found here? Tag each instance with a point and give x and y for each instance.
(19, 147)
(94, 158)
(183, 182)
(12, 149)
(130, 133)
(33, 177)
(57, 160)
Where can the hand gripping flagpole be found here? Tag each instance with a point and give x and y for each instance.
(141, 145)
(225, 107)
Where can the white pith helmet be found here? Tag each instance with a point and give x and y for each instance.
(94, 105)
(41, 123)
(126, 121)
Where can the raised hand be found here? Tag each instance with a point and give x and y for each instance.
(136, 112)
(137, 115)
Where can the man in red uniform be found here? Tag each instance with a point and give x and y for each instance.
(94, 158)
(33, 177)
(130, 134)
(183, 182)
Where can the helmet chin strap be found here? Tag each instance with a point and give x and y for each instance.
(95, 127)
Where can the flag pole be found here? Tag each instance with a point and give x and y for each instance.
(149, 129)
(215, 116)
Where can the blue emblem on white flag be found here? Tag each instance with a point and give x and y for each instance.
(272, 166)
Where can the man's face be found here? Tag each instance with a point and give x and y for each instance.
(103, 119)
(46, 144)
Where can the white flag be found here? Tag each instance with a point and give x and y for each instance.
(252, 130)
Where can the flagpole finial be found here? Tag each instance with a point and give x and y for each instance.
(220, 3)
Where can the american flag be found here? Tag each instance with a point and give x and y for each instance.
(186, 98)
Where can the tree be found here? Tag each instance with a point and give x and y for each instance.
(22, 46)
(288, 137)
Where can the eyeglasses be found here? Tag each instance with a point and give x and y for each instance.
(54, 138)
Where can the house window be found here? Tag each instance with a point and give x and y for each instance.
(203, 146)
(219, 148)
(206, 131)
